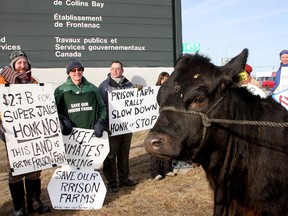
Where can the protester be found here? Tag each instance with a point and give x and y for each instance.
(247, 81)
(75, 92)
(116, 164)
(19, 72)
(163, 76)
(281, 81)
(161, 167)
(250, 79)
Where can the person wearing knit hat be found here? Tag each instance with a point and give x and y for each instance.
(282, 53)
(281, 82)
(248, 68)
(73, 63)
(78, 90)
(247, 81)
(15, 56)
(250, 79)
(19, 72)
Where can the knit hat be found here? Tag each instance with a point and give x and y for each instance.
(283, 52)
(15, 56)
(248, 68)
(73, 63)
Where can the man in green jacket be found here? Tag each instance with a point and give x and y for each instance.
(79, 102)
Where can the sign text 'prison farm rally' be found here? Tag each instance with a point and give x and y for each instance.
(132, 110)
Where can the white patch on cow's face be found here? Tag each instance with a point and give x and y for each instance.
(196, 76)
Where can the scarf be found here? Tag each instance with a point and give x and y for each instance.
(14, 77)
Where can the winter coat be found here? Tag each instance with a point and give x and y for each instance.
(109, 85)
(82, 105)
(278, 79)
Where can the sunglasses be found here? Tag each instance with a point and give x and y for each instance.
(76, 69)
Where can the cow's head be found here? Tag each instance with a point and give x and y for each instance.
(195, 85)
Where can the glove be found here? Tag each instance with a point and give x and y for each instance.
(99, 127)
(66, 126)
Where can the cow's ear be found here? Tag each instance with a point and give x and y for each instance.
(236, 65)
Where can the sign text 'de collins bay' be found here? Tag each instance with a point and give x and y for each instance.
(140, 33)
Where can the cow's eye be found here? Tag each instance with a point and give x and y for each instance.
(199, 104)
(199, 100)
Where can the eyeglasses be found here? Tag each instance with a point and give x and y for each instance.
(76, 69)
(116, 69)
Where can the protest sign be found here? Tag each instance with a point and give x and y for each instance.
(282, 98)
(283, 84)
(75, 189)
(77, 185)
(84, 151)
(132, 110)
(33, 134)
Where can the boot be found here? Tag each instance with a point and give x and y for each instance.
(33, 192)
(18, 196)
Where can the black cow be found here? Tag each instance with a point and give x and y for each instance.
(240, 140)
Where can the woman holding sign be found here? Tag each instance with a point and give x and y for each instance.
(19, 72)
(281, 80)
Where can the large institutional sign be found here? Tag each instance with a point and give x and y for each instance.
(140, 33)
(33, 135)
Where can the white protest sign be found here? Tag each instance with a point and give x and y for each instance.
(33, 134)
(75, 189)
(84, 150)
(283, 84)
(282, 98)
(132, 110)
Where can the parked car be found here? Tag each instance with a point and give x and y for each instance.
(269, 83)
(261, 79)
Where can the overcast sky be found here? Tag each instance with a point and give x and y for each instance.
(226, 27)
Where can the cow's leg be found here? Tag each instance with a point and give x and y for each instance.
(220, 208)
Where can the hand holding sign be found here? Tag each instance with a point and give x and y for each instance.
(99, 127)
(66, 126)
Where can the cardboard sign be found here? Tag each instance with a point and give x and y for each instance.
(33, 134)
(132, 110)
(283, 84)
(75, 189)
(84, 151)
(282, 98)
